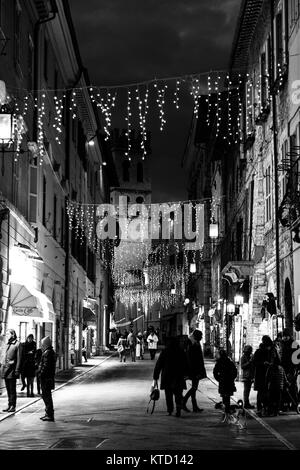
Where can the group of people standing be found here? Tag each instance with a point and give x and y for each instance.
(25, 360)
(270, 369)
(272, 372)
(136, 344)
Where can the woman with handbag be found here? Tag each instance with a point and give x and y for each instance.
(121, 348)
(172, 366)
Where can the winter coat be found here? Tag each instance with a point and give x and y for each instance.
(12, 361)
(172, 365)
(48, 362)
(152, 341)
(276, 378)
(225, 373)
(247, 367)
(196, 368)
(262, 358)
(29, 350)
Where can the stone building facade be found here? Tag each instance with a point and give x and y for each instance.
(254, 180)
(53, 164)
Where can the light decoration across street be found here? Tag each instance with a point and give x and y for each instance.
(160, 100)
(176, 94)
(129, 125)
(222, 94)
(143, 111)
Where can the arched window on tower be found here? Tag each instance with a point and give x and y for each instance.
(126, 167)
(140, 173)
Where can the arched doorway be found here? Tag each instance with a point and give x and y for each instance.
(288, 305)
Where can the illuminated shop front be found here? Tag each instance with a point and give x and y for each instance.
(29, 310)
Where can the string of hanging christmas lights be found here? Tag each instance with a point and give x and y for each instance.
(105, 97)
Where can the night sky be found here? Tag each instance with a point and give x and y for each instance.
(129, 41)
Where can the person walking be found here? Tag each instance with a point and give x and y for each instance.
(152, 341)
(131, 341)
(83, 351)
(140, 345)
(196, 368)
(121, 348)
(263, 357)
(10, 369)
(172, 365)
(47, 371)
(29, 363)
(225, 373)
(248, 374)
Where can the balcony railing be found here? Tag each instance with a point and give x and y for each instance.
(289, 209)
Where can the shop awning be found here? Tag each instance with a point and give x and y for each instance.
(88, 316)
(47, 307)
(237, 271)
(28, 301)
(25, 301)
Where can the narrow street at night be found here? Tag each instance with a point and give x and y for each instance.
(150, 210)
(105, 409)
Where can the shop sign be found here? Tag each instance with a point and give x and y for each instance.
(27, 312)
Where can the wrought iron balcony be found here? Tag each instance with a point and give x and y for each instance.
(289, 209)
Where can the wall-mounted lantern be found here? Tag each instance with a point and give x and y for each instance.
(213, 230)
(193, 268)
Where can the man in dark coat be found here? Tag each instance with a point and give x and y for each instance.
(225, 373)
(10, 370)
(196, 368)
(172, 365)
(47, 373)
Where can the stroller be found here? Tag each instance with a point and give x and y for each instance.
(291, 394)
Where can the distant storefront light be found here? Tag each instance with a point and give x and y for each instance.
(230, 308)
(214, 231)
(6, 128)
(238, 300)
(192, 268)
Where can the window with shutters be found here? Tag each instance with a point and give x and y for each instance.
(33, 194)
(268, 195)
(44, 200)
(294, 14)
(55, 216)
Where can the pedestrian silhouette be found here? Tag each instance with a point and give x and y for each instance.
(172, 366)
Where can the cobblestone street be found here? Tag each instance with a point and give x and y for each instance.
(103, 406)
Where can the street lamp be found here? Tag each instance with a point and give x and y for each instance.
(6, 127)
(238, 300)
(230, 308)
(193, 268)
(213, 230)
